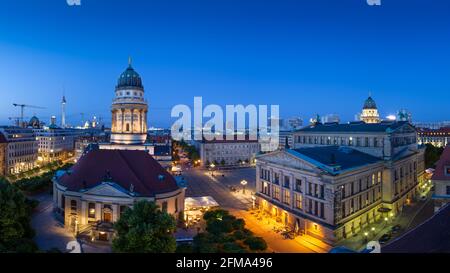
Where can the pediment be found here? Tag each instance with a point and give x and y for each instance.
(107, 189)
(286, 159)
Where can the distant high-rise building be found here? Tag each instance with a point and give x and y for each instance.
(53, 121)
(331, 118)
(293, 123)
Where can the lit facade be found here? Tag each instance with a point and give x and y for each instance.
(129, 110)
(441, 180)
(3, 145)
(91, 197)
(229, 152)
(339, 179)
(436, 137)
(21, 150)
(370, 112)
(56, 144)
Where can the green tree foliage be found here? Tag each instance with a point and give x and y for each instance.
(432, 155)
(40, 183)
(16, 233)
(256, 243)
(145, 229)
(226, 234)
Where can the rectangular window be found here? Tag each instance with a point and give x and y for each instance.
(164, 206)
(123, 209)
(298, 185)
(276, 178)
(276, 193)
(287, 197)
(298, 201)
(322, 210)
(448, 190)
(287, 182)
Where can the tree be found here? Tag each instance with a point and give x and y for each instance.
(145, 229)
(432, 155)
(16, 233)
(256, 243)
(226, 234)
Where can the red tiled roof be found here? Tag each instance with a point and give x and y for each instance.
(124, 168)
(444, 161)
(435, 132)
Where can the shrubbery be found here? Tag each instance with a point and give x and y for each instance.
(225, 234)
(39, 183)
(16, 234)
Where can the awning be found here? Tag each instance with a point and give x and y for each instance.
(200, 202)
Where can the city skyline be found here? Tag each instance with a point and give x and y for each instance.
(307, 57)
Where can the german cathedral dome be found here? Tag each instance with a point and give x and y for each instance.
(129, 79)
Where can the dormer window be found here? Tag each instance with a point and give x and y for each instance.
(447, 170)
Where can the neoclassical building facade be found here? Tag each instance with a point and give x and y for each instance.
(338, 179)
(129, 110)
(92, 195)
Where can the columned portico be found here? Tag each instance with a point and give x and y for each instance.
(129, 110)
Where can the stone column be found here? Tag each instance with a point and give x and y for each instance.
(122, 112)
(132, 120)
(83, 213)
(115, 213)
(141, 121)
(98, 211)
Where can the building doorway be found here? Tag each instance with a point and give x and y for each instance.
(103, 236)
(107, 214)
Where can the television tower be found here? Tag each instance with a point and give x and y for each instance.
(63, 116)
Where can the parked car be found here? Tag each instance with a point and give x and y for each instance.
(385, 238)
(396, 229)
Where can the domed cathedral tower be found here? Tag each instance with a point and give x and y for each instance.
(129, 109)
(370, 111)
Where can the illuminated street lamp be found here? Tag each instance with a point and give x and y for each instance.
(244, 183)
(212, 166)
(254, 201)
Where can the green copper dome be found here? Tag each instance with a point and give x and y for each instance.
(130, 79)
(370, 104)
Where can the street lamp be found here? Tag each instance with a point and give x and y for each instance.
(244, 183)
(212, 166)
(254, 201)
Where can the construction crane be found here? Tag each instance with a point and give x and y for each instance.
(22, 108)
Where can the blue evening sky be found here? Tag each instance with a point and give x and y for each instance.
(316, 56)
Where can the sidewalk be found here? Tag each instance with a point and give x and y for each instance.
(276, 242)
(404, 220)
